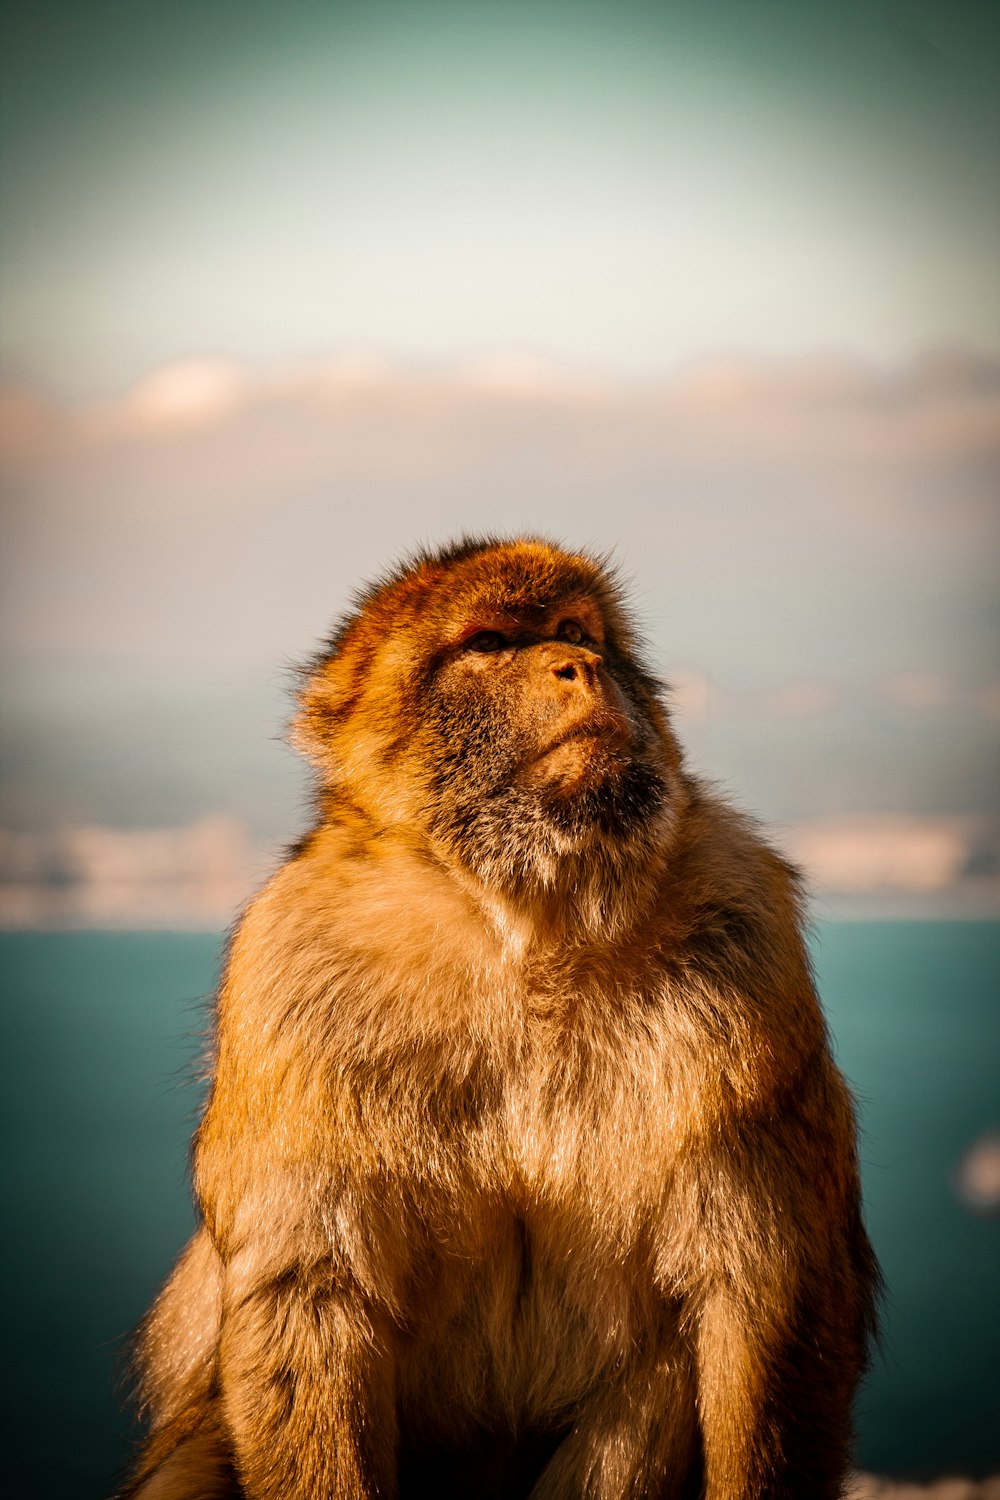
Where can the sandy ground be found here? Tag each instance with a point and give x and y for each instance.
(870, 1487)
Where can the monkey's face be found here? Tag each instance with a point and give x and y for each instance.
(494, 698)
(532, 721)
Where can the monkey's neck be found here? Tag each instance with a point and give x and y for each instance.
(556, 892)
(598, 893)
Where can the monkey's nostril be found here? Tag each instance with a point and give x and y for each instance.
(567, 672)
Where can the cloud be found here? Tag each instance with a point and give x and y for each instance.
(690, 696)
(888, 853)
(801, 408)
(185, 394)
(803, 699)
(977, 1177)
(918, 690)
(811, 546)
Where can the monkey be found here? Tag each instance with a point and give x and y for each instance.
(526, 1169)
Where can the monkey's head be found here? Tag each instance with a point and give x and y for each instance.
(487, 699)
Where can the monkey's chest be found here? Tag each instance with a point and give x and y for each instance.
(553, 1288)
(597, 1152)
(543, 1283)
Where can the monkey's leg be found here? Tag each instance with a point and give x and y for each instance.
(308, 1393)
(187, 1455)
(636, 1439)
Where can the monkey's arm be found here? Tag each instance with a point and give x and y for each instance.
(282, 1169)
(765, 1239)
(783, 1301)
(749, 1398)
(307, 1391)
(305, 1373)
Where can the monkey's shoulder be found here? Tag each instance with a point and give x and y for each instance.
(728, 892)
(346, 928)
(728, 930)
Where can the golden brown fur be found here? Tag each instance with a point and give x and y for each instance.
(526, 1168)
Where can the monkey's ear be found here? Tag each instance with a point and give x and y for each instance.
(313, 729)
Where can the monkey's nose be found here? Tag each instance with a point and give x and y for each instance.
(581, 667)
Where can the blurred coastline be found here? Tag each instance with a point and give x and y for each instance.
(197, 876)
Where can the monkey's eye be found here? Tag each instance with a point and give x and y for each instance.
(486, 640)
(571, 631)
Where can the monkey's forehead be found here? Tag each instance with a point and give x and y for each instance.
(481, 582)
(522, 578)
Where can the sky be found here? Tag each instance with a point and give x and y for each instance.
(629, 186)
(289, 289)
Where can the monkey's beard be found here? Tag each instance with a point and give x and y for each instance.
(589, 853)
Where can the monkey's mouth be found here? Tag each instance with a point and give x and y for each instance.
(605, 733)
(587, 753)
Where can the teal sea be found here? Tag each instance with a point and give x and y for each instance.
(101, 1036)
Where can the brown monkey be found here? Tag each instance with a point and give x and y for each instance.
(526, 1168)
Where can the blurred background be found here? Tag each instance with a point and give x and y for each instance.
(288, 290)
